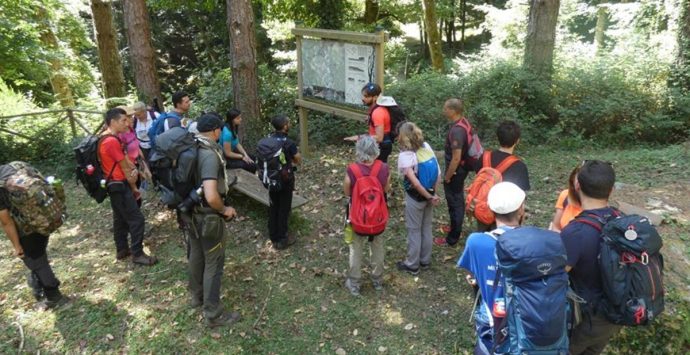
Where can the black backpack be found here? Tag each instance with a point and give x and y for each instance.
(631, 268)
(272, 167)
(397, 119)
(173, 162)
(88, 171)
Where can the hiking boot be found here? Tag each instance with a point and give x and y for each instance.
(57, 302)
(35, 285)
(354, 289)
(143, 259)
(402, 267)
(123, 254)
(225, 319)
(195, 302)
(425, 266)
(291, 240)
(378, 284)
(280, 245)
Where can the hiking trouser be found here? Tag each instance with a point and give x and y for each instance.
(42, 279)
(279, 213)
(354, 273)
(418, 220)
(127, 218)
(455, 197)
(592, 340)
(385, 149)
(240, 164)
(206, 260)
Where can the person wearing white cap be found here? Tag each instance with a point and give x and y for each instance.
(507, 201)
(378, 119)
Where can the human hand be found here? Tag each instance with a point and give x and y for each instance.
(229, 213)
(247, 159)
(19, 251)
(435, 200)
(351, 138)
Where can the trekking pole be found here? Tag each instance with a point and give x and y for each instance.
(474, 308)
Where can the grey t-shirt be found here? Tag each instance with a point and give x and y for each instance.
(212, 168)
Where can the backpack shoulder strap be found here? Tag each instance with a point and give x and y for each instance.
(595, 221)
(376, 168)
(356, 171)
(486, 159)
(507, 163)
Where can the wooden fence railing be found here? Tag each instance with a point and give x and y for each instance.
(69, 115)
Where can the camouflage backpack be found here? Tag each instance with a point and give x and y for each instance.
(36, 205)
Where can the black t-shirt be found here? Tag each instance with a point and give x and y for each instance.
(455, 139)
(516, 173)
(581, 243)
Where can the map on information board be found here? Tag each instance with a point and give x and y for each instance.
(336, 71)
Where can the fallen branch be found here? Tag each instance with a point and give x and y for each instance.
(263, 308)
(21, 334)
(156, 272)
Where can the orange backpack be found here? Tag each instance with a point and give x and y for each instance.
(478, 192)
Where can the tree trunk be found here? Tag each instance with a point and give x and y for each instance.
(58, 80)
(600, 28)
(243, 60)
(463, 23)
(141, 51)
(371, 11)
(681, 70)
(541, 37)
(429, 7)
(108, 53)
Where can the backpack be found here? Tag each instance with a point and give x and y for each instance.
(158, 126)
(272, 166)
(531, 264)
(470, 159)
(427, 173)
(476, 202)
(89, 171)
(369, 212)
(397, 117)
(631, 268)
(174, 163)
(36, 206)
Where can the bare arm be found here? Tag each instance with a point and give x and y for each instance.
(556, 222)
(11, 230)
(347, 185)
(244, 156)
(129, 169)
(379, 134)
(215, 201)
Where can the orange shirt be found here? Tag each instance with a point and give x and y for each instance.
(111, 153)
(380, 116)
(570, 211)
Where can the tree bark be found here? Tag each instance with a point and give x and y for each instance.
(108, 53)
(141, 51)
(681, 71)
(599, 37)
(245, 90)
(58, 80)
(463, 23)
(371, 11)
(541, 37)
(429, 7)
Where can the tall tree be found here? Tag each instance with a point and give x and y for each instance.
(58, 80)
(143, 58)
(243, 62)
(681, 68)
(541, 36)
(371, 11)
(433, 35)
(108, 56)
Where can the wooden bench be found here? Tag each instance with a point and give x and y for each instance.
(250, 185)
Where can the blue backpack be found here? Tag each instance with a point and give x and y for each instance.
(427, 173)
(158, 125)
(531, 264)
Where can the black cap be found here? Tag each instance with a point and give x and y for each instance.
(208, 122)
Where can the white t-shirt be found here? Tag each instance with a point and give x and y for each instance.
(142, 130)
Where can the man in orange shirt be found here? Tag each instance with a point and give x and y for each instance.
(120, 172)
(379, 120)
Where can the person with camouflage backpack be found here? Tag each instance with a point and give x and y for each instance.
(30, 209)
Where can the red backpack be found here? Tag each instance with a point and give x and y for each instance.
(474, 146)
(369, 212)
(476, 202)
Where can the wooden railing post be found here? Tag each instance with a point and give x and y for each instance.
(72, 124)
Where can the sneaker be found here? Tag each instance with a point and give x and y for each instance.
(378, 285)
(402, 267)
(223, 320)
(122, 254)
(354, 289)
(54, 304)
(143, 259)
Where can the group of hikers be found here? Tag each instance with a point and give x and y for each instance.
(520, 274)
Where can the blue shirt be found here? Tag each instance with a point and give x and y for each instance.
(581, 243)
(479, 258)
(228, 136)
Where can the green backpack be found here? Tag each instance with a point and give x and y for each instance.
(37, 206)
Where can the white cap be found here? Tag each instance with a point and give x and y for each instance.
(386, 101)
(505, 197)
